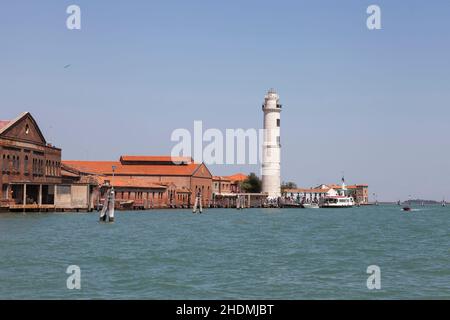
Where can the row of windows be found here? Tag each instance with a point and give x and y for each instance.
(52, 168)
(223, 185)
(183, 197)
(138, 195)
(150, 195)
(200, 190)
(12, 164)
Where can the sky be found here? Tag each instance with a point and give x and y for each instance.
(373, 104)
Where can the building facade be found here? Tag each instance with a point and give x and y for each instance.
(30, 167)
(151, 181)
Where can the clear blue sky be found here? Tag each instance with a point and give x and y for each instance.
(374, 104)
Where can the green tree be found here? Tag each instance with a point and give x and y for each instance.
(252, 184)
(288, 185)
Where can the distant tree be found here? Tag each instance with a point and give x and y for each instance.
(252, 184)
(288, 185)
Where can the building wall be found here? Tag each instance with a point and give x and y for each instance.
(221, 186)
(145, 198)
(362, 194)
(204, 185)
(200, 180)
(27, 163)
(63, 196)
(72, 197)
(80, 197)
(25, 158)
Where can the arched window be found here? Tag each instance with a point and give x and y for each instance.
(25, 165)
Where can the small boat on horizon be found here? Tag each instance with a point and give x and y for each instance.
(407, 206)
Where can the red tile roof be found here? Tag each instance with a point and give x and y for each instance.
(219, 178)
(300, 190)
(348, 187)
(322, 190)
(237, 177)
(105, 167)
(168, 159)
(125, 182)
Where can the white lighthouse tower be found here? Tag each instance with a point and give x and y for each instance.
(271, 150)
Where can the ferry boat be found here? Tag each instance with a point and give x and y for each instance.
(340, 201)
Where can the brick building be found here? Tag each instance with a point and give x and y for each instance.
(150, 181)
(227, 190)
(30, 167)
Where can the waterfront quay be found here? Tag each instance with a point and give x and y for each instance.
(35, 178)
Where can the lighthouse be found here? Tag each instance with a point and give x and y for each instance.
(271, 149)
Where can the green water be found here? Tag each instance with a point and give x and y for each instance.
(228, 254)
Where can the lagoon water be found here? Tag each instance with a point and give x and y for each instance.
(228, 254)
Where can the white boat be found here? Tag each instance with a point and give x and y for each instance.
(311, 205)
(340, 201)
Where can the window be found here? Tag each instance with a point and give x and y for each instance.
(64, 190)
(278, 122)
(27, 129)
(25, 165)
